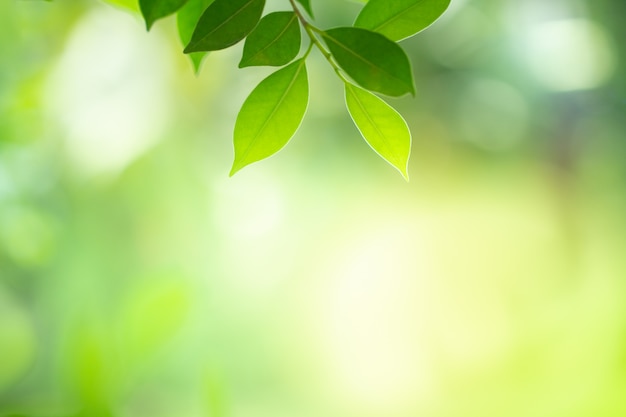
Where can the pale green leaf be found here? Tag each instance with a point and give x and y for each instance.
(381, 126)
(370, 59)
(275, 41)
(187, 19)
(400, 19)
(152, 10)
(224, 23)
(271, 115)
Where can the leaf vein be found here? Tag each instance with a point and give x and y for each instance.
(396, 16)
(367, 61)
(274, 110)
(231, 17)
(371, 121)
(275, 39)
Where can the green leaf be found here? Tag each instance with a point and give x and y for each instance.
(224, 23)
(275, 41)
(152, 10)
(126, 4)
(400, 19)
(271, 115)
(372, 60)
(187, 19)
(381, 126)
(307, 6)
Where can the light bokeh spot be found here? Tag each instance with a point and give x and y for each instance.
(108, 91)
(569, 54)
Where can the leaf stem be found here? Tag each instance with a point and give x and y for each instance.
(308, 50)
(312, 31)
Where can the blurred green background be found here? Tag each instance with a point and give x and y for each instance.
(137, 279)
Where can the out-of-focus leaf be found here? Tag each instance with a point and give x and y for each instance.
(224, 23)
(275, 41)
(94, 410)
(382, 127)
(17, 342)
(91, 371)
(187, 19)
(400, 19)
(152, 10)
(271, 115)
(372, 60)
(154, 316)
(214, 396)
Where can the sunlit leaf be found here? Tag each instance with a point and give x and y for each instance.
(224, 23)
(400, 19)
(127, 4)
(275, 41)
(271, 115)
(307, 6)
(381, 126)
(152, 10)
(187, 19)
(372, 60)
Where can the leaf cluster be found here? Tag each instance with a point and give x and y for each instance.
(366, 56)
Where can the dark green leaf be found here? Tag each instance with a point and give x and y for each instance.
(372, 60)
(224, 23)
(152, 10)
(271, 115)
(307, 6)
(400, 19)
(275, 41)
(381, 126)
(187, 19)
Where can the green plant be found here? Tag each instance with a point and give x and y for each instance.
(366, 56)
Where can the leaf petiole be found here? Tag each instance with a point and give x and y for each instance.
(312, 31)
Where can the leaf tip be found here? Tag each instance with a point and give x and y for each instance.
(237, 166)
(403, 170)
(197, 61)
(147, 16)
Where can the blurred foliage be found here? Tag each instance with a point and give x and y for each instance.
(137, 279)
